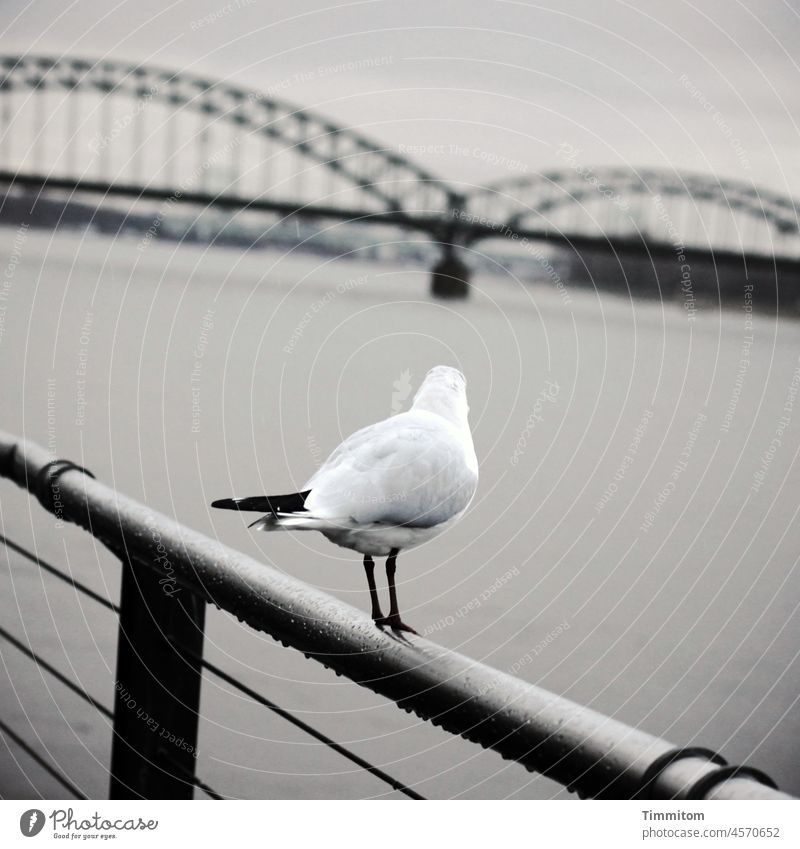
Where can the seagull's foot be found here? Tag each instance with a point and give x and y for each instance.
(394, 621)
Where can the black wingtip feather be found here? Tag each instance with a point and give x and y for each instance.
(291, 503)
(224, 504)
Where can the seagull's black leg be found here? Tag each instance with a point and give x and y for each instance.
(393, 619)
(369, 568)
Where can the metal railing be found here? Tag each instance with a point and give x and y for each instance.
(160, 664)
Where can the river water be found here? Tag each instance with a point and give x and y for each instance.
(633, 544)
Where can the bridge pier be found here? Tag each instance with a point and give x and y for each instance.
(450, 276)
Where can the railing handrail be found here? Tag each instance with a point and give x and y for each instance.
(593, 754)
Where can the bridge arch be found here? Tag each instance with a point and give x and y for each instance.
(660, 205)
(109, 122)
(128, 129)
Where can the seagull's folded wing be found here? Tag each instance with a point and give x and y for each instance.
(407, 470)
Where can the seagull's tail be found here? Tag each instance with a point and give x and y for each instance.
(283, 511)
(288, 522)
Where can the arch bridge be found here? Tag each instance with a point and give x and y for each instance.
(117, 129)
(129, 130)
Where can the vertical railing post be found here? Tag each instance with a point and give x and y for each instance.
(157, 688)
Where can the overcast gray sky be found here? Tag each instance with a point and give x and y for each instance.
(710, 86)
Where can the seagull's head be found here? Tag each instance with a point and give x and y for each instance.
(447, 378)
(444, 391)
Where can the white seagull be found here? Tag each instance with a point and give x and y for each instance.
(389, 486)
